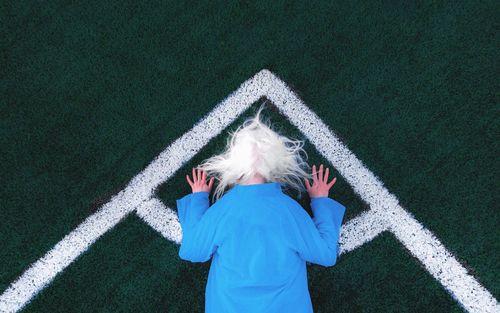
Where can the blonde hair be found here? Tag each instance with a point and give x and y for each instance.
(255, 148)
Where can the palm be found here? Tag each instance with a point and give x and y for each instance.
(198, 183)
(320, 186)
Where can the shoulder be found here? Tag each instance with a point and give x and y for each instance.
(223, 202)
(293, 207)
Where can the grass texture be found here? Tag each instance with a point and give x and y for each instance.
(92, 92)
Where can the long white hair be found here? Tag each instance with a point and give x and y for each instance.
(255, 148)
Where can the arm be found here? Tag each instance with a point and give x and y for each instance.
(199, 227)
(316, 240)
(319, 237)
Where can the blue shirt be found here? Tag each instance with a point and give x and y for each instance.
(259, 239)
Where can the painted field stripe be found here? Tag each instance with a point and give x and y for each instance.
(43, 271)
(161, 218)
(190, 143)
(353, 234)
(360, 230)
(140, 189)
(364, 183)
(463, 287)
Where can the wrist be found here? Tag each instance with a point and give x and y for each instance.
(200, 191)
(318, 196)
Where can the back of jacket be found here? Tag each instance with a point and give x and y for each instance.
(256, 246)
(260, 240)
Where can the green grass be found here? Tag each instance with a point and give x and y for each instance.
(92, 93)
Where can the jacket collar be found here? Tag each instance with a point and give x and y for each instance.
(258, 189)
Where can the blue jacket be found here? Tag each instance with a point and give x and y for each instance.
(259, 239)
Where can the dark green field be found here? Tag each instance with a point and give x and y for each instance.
(92, 92)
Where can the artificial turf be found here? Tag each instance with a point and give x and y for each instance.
(92, 92)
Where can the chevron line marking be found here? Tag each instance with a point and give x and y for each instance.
(385, 214)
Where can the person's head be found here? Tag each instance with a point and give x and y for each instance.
(253, 149)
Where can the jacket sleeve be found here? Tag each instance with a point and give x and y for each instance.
(199, 226)
(316, 239)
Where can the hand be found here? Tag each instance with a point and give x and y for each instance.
(199, 181)
(320, 186)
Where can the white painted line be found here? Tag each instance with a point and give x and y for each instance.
(189, 144)
(360, 230)
(357, 231)
(361, 179)
(140, 189)
(162, 219)
(463, 287)
(443, 266)
(384, 207)
(43, 271)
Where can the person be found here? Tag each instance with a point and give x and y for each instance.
(259, 238)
